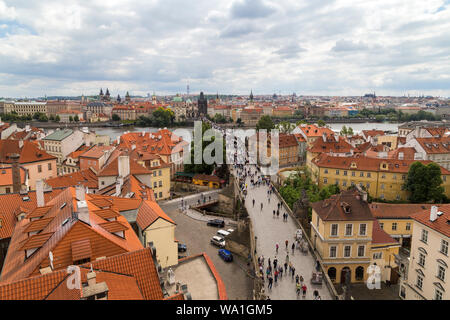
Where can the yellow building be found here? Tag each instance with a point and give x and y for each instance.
(395, 219)
(212, 182)
(427, 268)
(381, 178)
(341, 232)
(383, 250)
(154, 225)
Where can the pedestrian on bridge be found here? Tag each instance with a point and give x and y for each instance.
(276, 248)
(285, 266)
(270, 283)
(275, 262)
(274, 213)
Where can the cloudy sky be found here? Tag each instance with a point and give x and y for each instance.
(323, 47)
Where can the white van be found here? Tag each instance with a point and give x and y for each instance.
(218, 241)
(223, 233)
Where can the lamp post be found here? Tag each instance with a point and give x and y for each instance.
(256, 238)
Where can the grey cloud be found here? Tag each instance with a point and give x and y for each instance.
(290, 51)
(346, 45)
(251, 9)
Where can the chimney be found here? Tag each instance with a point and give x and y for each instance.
(80, 192)
(40, 193)
(20, 144)
(16, 172)
(91, 278)
(119, 185)
(124, 166)
(433, 213)
(27, 128)
(83, 211)
(99, 291)
(324, 137)
(133, 146)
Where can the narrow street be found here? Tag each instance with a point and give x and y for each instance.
(269, 231)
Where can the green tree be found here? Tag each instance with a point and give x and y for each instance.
(350, 131)
(344, 131)
(70, 118)
(380, 118)
(424, 183)
(57, 118)
(162, 117)
(52, 118)
(239, 122)
(203, 167)
(115, 117)
(321, 123)
(265, 122)
(76, 118)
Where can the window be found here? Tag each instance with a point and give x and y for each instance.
(361, 174)
(403, 177)
(368, 175)
(160, 194)
(326, 171)
(441, 273)
(397, 197)
(362, 229)
(347, 251)
(39, 168)
(361, 251)
(419, 282)
(382, 186)
(332, 251)
(424, 237)
(367, 186)
(155, 184)
(377, 255)
(353, 173)
(382, 196)
(8, 190)
(160, 183)
(345, 173)
(49, 167)
(403, 292)
(348, 229)
(160, 172)
(325, 180)
(408, 226)
(421, 260)
(394, 226)
(334, 230)
(154, 173)
(437, 294)
(394, 177)
(383, 176)
(444, 247)
(337, 172)
(381, 225)
(344, 183)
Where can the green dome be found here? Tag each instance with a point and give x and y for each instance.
(177, 99)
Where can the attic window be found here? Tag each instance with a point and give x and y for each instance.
(346, 207)
(26, 198)
(3, 171)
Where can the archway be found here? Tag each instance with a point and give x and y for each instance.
(346, 273)
(332, 273)
(359, 273)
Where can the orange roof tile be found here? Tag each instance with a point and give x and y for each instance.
(396, 211)
(113, 226)
(29, 152)
(149, 212)
(379, 236)
(441, 224)
(439, 145)
(81, 249)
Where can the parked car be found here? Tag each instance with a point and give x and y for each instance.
(230, 230)
(182, 247)
(216, 223)
(223, 233)
(218, 241)
(225, 255)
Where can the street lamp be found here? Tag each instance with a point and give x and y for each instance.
(256, 238)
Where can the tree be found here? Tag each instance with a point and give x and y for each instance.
(52, 118)
(265, 122)
(162, 117)
(239, 122)
(380, 118)
(350, 131)
(57, 118)
(344, 131)
(70, 118)
(115, 117)
(203, 167)
(424, 183)
(285, 127)
(321, 123)
(76, 118)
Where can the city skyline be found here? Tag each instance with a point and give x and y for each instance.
(328, 48)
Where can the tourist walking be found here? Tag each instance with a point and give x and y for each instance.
(276, 247)
(293, 247)
(286, 243)
(270, 282)
(285, 267)
(304, 290)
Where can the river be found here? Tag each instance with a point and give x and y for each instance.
(184, 132)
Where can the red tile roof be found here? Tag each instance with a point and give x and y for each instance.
(439, 145)
(149, 212)
(396, 211)
(379, 236)
(332, 209)
(372, 133)
(86, 177)
(312, 130)
(331, 145)
(112, 169)
(368, 164)
(29, 152)
(441, 224)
